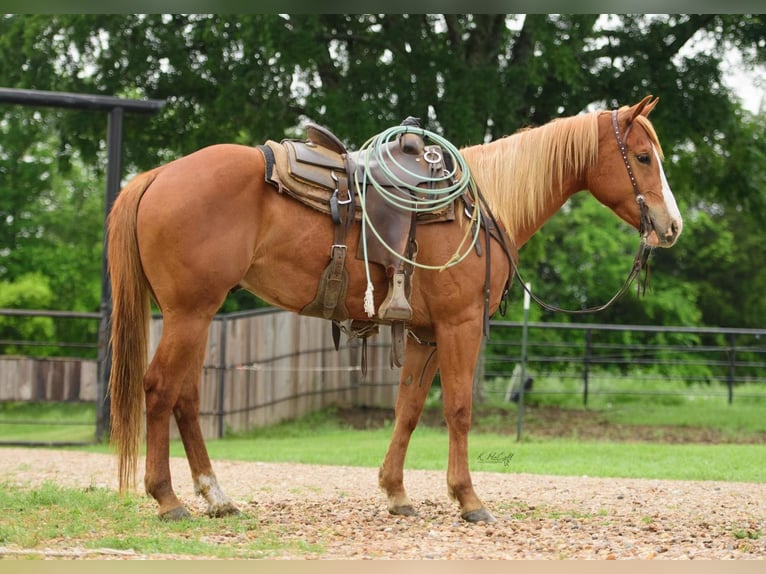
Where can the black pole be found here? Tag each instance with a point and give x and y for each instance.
(222, 364)
(113, 171)
(524, 336)
(77, 101)
(732, 366)
(586, 367)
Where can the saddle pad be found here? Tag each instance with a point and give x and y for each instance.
(313, 194)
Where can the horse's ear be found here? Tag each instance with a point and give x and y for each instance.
(650, 106)
(643, 108)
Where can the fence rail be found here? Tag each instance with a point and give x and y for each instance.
(266, 365)
(589, 352)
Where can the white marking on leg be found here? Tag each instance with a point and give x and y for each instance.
(218, 502)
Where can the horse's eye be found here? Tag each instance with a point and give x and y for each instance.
(643, 158)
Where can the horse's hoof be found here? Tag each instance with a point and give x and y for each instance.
(177, 513)
(478, 515)
(403, 510)
(223, 510)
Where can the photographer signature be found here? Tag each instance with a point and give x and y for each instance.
(496, 457)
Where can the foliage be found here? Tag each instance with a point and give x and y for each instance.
(472, 77)
(30, 291)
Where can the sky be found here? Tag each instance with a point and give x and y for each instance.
(749, 85)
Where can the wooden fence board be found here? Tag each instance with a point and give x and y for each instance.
(271, 366)
(56, 379)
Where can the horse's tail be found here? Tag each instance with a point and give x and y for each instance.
(130, 328)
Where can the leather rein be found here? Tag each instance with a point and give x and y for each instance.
(640, 261)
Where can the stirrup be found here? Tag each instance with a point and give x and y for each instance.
(398, 344)
(395, 306)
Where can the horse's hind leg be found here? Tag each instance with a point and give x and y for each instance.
(186, 412)
(171, 384)
(420, 366)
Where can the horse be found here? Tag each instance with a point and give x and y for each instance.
(186, 233)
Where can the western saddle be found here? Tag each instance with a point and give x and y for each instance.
(321, 173)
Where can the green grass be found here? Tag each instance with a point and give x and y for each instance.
(62, 422)
(655, 402)
(54, 517)
(502, 453)
(741, 418)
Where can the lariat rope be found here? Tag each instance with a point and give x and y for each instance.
(415, 199)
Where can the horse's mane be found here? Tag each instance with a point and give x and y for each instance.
(519, 174)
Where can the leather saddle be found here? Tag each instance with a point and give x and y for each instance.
(321, 173)
(311, 170)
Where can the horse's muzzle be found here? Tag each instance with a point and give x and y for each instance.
(664, 236)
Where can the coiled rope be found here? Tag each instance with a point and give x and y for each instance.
(442, 190)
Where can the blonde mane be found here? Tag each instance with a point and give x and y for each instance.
(519, 174)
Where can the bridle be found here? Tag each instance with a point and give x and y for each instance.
(645, 223)
(640, 261)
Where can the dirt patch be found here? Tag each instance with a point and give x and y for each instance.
(336, 512)
(553, 422)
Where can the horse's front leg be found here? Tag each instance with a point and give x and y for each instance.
(459, 347)
(418, 371)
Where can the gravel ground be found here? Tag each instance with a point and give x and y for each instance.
(539, 517)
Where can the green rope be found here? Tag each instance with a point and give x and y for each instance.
(418, 199)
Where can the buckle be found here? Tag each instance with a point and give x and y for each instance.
(335, 246)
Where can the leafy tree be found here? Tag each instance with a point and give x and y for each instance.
(29, 291)
(472, 77)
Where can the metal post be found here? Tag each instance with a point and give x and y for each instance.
(732, 365)
(222, 377)
(114, 169)
(586, 366)
(523, 362)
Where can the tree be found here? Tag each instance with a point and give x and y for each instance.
(472, 77)
(29, 291)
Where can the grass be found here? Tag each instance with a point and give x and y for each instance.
(502, 453)
(94, 518)
(63, 422)
(652, 402)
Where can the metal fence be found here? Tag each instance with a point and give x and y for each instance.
(708, 361)
(267, 365)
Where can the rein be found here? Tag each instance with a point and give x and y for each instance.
(640, 261)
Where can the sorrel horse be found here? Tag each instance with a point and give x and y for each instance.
(188, 232)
